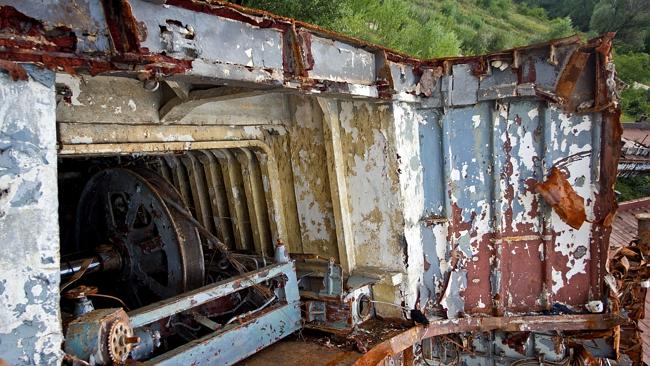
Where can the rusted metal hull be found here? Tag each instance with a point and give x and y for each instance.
(478, 189)
(403, 341)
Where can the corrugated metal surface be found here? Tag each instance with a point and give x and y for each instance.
(481, 166)
(639, 132)
(224, 189)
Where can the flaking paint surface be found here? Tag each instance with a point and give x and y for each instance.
(30, 330)
(492, 154)
(311, 180)
(372, 184)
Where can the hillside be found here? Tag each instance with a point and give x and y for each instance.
(427, 28)
(486, 26)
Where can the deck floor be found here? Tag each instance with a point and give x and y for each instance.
(294, 352)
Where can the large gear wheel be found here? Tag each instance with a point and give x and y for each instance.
(120, 341)
(136, 213)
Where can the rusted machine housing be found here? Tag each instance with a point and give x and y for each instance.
(478, 190)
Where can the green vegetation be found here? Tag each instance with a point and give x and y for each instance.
(633, 187)
(428, 28)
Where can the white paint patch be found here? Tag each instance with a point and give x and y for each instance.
(363, 90)
(29, 299)
(37, 290)
(173, 138)
(346, 117)
(558, 282)
(527, 151)
(454, 175)
(81, 140)
(132, 105)
(252, 131)
(74, 84)
(476, 121)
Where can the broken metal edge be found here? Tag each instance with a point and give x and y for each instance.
(410, 337)
(305, 65)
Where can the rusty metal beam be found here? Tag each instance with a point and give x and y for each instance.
(408, 338)
(304, 64)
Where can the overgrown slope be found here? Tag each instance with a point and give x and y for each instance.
(485, 26)
(427, 28)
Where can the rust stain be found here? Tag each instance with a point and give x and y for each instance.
(25, 39)
(339, 358)
(558, 192)
(122, 25)
(20, 30)
(605, 204)
(572, 71)
(14, 69)
(629, 267)
(400, 342)
(587, 358)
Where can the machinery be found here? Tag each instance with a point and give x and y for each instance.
(156, 286)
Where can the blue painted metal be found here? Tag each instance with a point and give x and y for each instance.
(482, 162)
(165, 308)
(86, 336)
(235, 341)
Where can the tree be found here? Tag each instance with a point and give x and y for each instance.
(633, 67)
(630, 19)
(578, 10)
(560, 27)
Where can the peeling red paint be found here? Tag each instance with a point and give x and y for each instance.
(14, 69)
(122, 25)
(18, 30)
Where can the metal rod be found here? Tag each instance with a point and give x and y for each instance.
(69, 268)
(104, 260)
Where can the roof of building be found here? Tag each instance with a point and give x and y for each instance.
(638, 132)
(624, 228)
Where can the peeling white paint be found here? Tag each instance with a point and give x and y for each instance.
(172, 138)
(558, 282)
(81, 140)
(476, 121)
(73, 83)
(30, 326)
